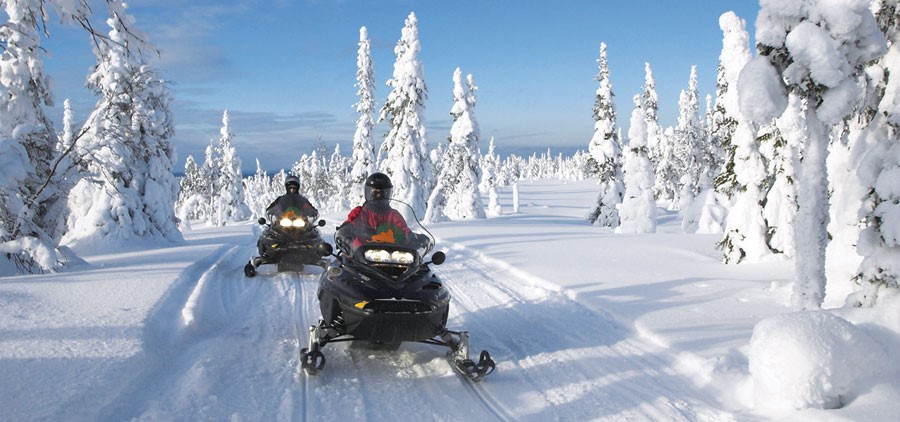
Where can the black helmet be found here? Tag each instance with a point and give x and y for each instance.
(292, 181)
(378, 186)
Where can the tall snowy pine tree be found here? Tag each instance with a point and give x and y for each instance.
(638, 208)
(229, 188)
(32, 196)
(819, 57)
(127, 190)
(879, 242)
(363, 155)
(404, 153)
(606, 151)
(456, 195)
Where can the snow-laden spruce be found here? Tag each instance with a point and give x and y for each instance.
(817, 50)
(32, 202)
(363, 155)
(691, 152)
(490, 179)
(745, 230)
(261, 190)
(638, 208)
(456, 195)
(126, 191)
(781, 151)
(214, 191)
(658, 147)
(404, 153)
(879, 170)
(735, 53)
(230, 205)
(605, 150)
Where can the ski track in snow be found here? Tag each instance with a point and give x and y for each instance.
(220, 343)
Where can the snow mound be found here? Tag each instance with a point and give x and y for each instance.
(810, 359)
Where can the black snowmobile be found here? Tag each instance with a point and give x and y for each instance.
(290, 238)
(380, 290)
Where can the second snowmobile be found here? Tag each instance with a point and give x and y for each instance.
(290, 238)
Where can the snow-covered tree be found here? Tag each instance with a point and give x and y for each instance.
(687, 144)
(229, 197)
(404, 153)
(815, 50)
(734, 55)
(127, 190)
(190, 187)
(745, 229)
(879, 170)
(650, 106)
(32, 196)
(490, 178)
(260, 191)
(606, 150)
(638, 208)
(688, 149)
(662, 154)
(338, 175)
(363, 155)
(781, 199)
(456, 195)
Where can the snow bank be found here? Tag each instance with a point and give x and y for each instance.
(812, 359)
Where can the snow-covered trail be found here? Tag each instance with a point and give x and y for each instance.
(220, 346)
(217, 340)
(557, 359)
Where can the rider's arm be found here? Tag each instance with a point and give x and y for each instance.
(354, 213)
(272, 204)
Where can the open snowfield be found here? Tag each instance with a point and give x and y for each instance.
(584, 324)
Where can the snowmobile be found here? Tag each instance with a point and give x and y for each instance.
(380, 290)
(290, 238)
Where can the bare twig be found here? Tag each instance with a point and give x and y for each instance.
(56, 164)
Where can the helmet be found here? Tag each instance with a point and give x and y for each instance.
(378, 186)
(292, 181)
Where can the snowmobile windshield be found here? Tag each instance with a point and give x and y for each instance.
(292, 211)
(381, 235)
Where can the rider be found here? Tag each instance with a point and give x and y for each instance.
(375, 219)
(292, 187)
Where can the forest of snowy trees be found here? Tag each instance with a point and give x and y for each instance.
(796, 156)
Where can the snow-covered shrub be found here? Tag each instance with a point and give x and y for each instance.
(811, 359)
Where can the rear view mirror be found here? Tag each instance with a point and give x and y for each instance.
(324, 249)
(438, 258)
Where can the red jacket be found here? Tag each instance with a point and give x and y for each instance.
(365, 217)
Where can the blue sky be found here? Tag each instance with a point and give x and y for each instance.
(285, 70)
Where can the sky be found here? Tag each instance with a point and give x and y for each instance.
(285, 70)
(654, 328)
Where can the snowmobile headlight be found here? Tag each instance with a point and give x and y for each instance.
(399, 257)
(378, 255)
(385, 257)
(287, 222)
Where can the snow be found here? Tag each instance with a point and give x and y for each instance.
(761, 94)
(651, 327)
